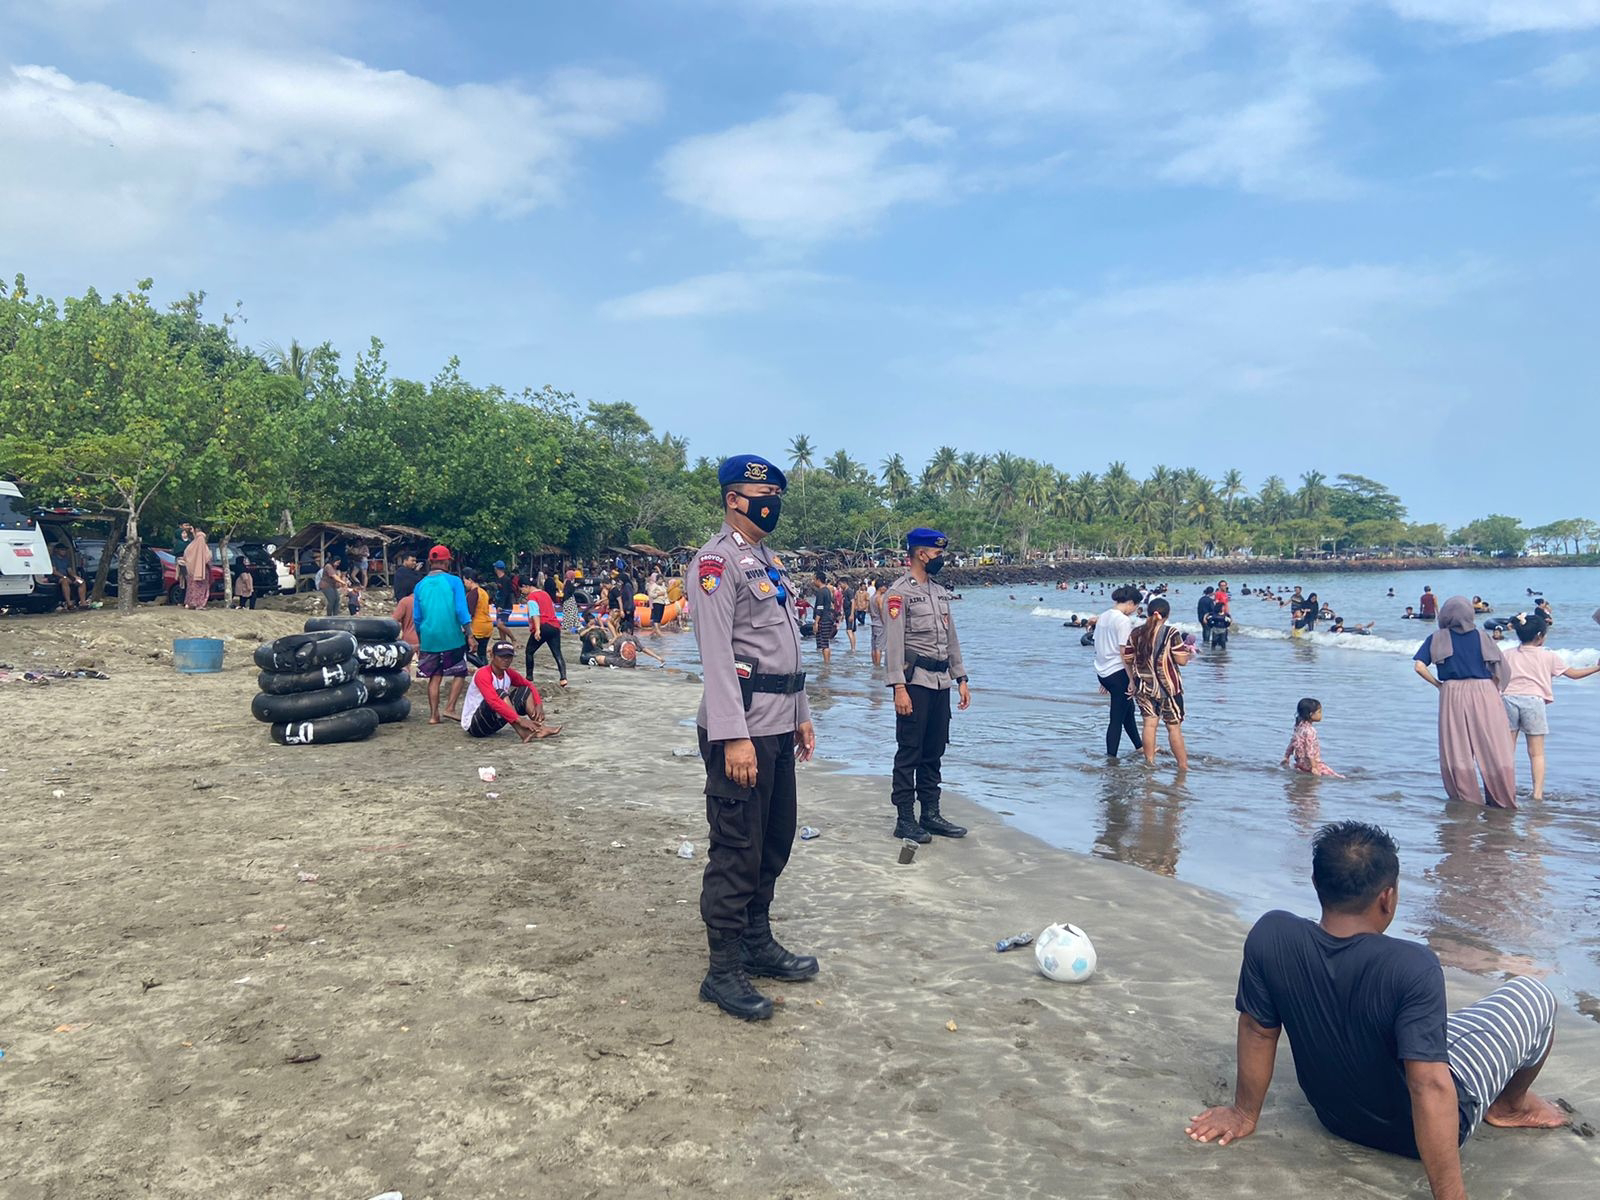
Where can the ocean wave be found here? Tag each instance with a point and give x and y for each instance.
(1366, 643)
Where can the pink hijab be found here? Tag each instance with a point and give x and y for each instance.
(197, 557)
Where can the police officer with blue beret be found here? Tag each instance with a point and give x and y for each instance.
(922, 662)
(754, 723)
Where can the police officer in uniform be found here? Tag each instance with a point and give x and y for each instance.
(922, 660)
(754, 723)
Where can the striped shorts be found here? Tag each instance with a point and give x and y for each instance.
(1490, 1041)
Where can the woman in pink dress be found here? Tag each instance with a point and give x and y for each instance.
(197, 563)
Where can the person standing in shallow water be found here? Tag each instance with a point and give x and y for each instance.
(754, 724)
(1154, 655)
(1472, 673)
(922, 662)
(1111, 632)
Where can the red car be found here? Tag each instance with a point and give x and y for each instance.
(169, 575)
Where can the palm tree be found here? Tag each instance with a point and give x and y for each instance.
(1313, 493)
(296, 362)
(1085, 497)
(1117, 489)
(840, 466)
(970, 470)
(1232, 489)
(942, 469)
(896, 479)
(1276, 504)
(801, 455)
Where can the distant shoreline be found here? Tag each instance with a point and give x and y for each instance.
(1161, 568)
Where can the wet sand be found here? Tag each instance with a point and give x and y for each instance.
(163, 962)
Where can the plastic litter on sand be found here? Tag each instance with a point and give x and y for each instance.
(486, 774)
(1011, 943)
(807, 832)
(686, 850)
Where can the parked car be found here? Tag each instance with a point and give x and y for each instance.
(169, 575)
(271, 576)
(24, 556)
(90, 550)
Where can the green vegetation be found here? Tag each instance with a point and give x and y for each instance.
(158, 415)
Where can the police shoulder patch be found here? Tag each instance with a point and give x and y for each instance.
(893, 606)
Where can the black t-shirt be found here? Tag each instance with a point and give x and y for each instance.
(823, 597)
(1356, 1010)
(405, 582)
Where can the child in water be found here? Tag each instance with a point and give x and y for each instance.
(1532, 670)
(1303, 746)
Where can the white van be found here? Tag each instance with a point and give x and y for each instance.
(24, 557)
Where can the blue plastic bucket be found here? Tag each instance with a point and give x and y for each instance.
(197, 656)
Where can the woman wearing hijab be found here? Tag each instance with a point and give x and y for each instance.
(1472, 721)
(197, 564)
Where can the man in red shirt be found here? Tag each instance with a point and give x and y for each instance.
(544, 629)
(497, 696)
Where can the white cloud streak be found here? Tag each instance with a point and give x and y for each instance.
(710, 295)
(804, 174)
(1490, 18)
(399, 154)
(1280, 333)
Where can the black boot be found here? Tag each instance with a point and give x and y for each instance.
(763, 957)
(906, 826)
(726, 985)
(934, 823)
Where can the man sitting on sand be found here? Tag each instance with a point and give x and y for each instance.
(497, 696)
(1376, 1053)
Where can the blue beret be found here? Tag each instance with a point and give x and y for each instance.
(749, 468)
(923, 536)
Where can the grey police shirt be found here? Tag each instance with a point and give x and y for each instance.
(738, 617)
(918, 624)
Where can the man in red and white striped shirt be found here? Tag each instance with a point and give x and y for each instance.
(497, 696)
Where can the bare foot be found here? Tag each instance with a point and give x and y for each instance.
(1532, 1112)
(545, 731)
(454, 716)
(563, 683)
(433, 720)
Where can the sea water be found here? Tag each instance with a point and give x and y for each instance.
(1492, 892)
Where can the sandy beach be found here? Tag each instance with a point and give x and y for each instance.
(495, 996)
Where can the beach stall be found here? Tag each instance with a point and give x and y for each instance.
(320, 538)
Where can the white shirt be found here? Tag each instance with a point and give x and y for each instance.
(1110, 635)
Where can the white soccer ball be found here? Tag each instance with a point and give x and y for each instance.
(1064, 952)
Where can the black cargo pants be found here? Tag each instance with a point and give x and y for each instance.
(920, 740)
(752, 831)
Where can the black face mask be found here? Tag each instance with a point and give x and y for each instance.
(934, 565)
(763, 511)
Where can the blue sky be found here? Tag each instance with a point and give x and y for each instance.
(1349, 235)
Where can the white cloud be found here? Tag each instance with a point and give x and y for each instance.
(709, 295)
(1232, 97)
(1283, 333)
(398, 153)
(1491, 17)
(1569, 70)
(803, 175)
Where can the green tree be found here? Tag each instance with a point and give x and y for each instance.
(1496, 534)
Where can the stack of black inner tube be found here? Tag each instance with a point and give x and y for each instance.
(311, 690)
(381, 661)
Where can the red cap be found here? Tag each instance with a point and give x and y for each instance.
(439, 554)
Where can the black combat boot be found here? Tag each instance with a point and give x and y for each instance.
(726, 985)
(934, 823)
(763, 957)
(906, 826)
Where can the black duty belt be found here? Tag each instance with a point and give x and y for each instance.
(937, 665)
(782, 685)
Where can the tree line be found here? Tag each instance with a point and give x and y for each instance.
(159, 414)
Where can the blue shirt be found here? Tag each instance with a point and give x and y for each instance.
(439, 609)
(1465, 662)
